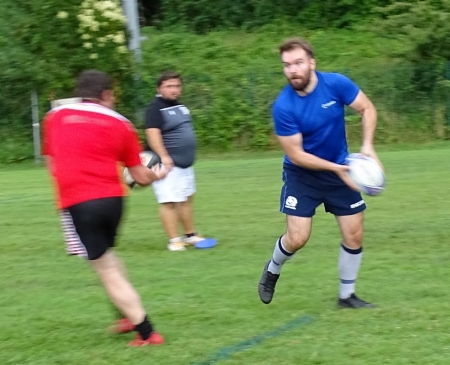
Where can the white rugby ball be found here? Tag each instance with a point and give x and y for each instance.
(148, 159)
(366, 173)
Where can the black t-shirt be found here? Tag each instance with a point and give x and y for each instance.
(175, 122)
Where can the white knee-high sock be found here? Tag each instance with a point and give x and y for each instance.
(349, 263)
(279, 257)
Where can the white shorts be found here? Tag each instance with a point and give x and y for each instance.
(176, 187)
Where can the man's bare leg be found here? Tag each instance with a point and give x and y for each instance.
(168, 213)
(169, 217)
(186, 214)
(112, 274)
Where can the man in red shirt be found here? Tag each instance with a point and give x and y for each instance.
(86, 145)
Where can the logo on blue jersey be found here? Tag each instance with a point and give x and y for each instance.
(327, 105)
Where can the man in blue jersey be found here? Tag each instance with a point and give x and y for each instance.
(309, 122)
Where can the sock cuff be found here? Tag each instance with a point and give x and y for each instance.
(176, 239)
(144, 328)
(282, 249)
(345, 281)
(351, 251)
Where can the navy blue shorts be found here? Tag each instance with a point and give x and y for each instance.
(304, 190)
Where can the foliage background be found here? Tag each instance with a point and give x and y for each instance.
(43, 52)
(397, 52)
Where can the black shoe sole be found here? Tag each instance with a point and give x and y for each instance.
(343, 305)
(266, 268)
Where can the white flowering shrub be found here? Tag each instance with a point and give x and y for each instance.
(102, 25)
(45, 44)
(102, 30)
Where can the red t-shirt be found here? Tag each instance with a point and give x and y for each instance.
(89, 144)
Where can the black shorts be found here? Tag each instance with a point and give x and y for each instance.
(304, 190)
(90, 227)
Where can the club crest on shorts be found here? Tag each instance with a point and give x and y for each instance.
(291, 202)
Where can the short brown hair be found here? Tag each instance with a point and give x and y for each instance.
(167, 75)
(293, 43)
(92, 83)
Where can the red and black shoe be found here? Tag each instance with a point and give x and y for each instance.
(154, 339)
(123, 325)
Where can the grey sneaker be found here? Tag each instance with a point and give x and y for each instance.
(354, 302)
(266, 286)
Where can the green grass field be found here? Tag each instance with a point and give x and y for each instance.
(205, 303)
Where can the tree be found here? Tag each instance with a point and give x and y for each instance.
(422, 25)
(46, 44)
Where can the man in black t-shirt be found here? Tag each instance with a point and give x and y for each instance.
(170, 133)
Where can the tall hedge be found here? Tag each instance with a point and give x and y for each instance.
(231, 69)
(232, 78)
(202, 16)
(45, 45)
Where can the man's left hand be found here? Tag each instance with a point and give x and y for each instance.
(370, 152)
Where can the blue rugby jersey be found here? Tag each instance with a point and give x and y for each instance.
(318, 116)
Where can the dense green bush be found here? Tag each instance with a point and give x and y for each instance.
(202, 16)
(231, 79)
(231, 74)
(44, 47)
(423, 26)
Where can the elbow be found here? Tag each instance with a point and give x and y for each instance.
(369, 110)
(297, 158)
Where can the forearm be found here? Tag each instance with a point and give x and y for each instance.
(159, 148)
(369, 124)
(142, 175)
(364, 106)
(292, 146)
(155, 141)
